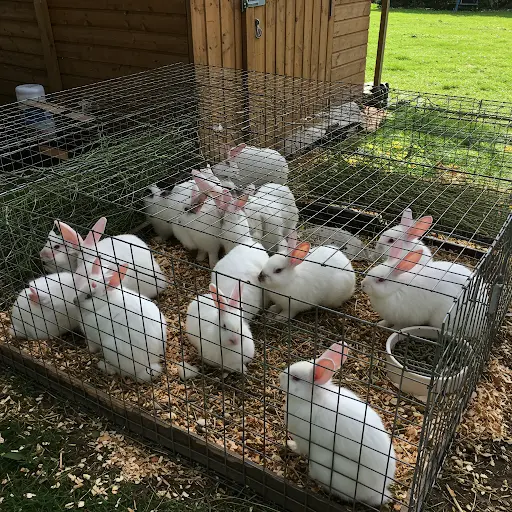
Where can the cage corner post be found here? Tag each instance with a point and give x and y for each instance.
(50, 53)
(379, 61)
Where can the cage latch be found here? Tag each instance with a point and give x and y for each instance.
(252, 3)
(495, 296)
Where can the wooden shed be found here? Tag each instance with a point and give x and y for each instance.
(64, 43)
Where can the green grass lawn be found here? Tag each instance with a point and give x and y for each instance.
(462, 54)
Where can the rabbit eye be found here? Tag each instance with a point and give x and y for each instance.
(278, 270)
(224, 326)
(294, 378)
(391, 240)
(56, 246)
(381, 279)
(88, 296)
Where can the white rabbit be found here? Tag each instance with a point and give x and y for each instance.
(144, 275)
(45, 309)
(218, 331)
(243, 263)
(248, 164)
(235, 226)
(272, 216)
(405, 292)
(298, 282)
(350, 453)
(158, 211)
(129, 328)
(410, 232)
(199, 226)
(57, 255)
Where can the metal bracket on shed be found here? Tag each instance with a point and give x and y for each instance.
(252, 3)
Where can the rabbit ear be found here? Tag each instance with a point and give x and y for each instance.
(324, 370)
(96, 267)
(224, 200)
(420, 227)
(337, 353)
(409, 261)
(94, 236)
(218, 299)
(234, 152)
(33, 296)
(407, 219)
(298, 254)
(207, 183)
(234, 300)
(69, 234)
(118, 276)
(241, 202)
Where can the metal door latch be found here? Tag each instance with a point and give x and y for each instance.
(258, 32)
(252, 3)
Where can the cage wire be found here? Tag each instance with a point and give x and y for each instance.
(348, 167)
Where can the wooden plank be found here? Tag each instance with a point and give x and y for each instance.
(138, 58)
(341, 72)
(17, 11)
(7, 98)
(98, 70)
(19, 29)
(49, 52)
(175, 24)
(337, 3)
(259, 44)
(123, 39)
(70, 81)
(349, 41)
(358, 78)
(8, 86)
(289, 59)
(270, 36)
(25, 60)
(239, 44)
(198, 30)
(348, 11)
(306, 57)
(342, 28)
(162, 6)
(315, 39)
(379, 61)
(322, 55)
(350, 55)
(56, 109)
(280, 36)
(213, 32)
(21, 45)
(299, 38)
(227, 21)
(23, 75)
(330, 38)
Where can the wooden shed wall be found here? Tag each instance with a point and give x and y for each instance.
(21, 50)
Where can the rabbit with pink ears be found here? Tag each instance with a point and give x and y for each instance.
(410, 233)
(144, 274)
(308, 277)
(217, 329)
(405, 292)
(350, 453)
(126, 327)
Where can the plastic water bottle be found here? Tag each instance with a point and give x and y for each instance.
(35, 117)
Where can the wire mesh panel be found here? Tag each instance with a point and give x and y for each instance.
(270, 275)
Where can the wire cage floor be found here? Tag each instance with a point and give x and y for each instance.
(353, 168)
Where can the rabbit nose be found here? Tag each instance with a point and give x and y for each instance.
(46, 254)
(261, 277)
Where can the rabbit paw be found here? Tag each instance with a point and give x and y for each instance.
(201, 255)
(107, 368)
(384, 323)
(292, 445)
(93, 347)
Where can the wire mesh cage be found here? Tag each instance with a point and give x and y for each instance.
(319, 214)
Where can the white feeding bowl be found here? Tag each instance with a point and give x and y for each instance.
(418, 384)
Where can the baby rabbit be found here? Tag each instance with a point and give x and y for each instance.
(45, 309)
(305, 279)
(410, 232)
(247, 164)
(218, 331)
(350, 453)
(144, 274)
(129, 328)
(243, 264)
(272, 216)
(405, 292)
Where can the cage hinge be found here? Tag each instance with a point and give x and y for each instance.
(495, 296)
